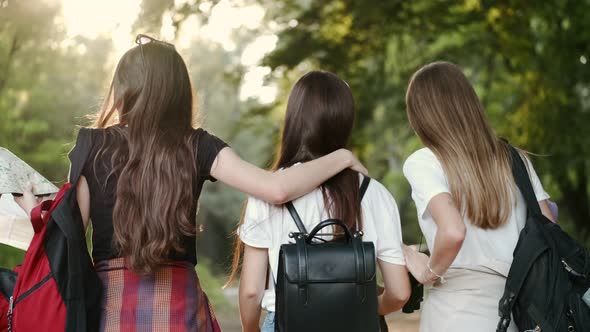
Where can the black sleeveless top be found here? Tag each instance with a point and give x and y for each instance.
(103, 197)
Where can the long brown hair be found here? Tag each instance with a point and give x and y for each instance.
(149, 105)
(319, 120)
(447, 115)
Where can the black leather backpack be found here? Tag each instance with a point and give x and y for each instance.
(549, 275)
(326, 286)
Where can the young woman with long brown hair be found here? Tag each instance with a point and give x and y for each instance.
(469, 207)
(141, 185)
(319, 120)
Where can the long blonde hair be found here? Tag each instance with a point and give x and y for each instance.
(447, 115)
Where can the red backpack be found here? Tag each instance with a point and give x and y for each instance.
(7, 282)
(56, 288)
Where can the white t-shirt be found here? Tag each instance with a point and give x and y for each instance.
(491, 248)
(268, 226)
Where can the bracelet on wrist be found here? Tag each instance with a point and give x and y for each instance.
(438, 276)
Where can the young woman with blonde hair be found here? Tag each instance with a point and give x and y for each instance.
(141, 185)
(469, 207)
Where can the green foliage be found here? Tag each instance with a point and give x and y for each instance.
(10, 257)
(216, 79)
(212, 286)
(526, 60)
(47, 84)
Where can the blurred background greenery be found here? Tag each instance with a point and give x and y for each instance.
(527, 60)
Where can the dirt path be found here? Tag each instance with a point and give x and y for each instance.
(397, 322)
(229, 318)
(400, 322)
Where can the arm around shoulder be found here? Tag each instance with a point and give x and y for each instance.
(283, 186)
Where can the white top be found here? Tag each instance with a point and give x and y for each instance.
(491, 248)
(268, 226)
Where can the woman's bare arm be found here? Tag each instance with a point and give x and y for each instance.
(546, 210)
(450, 233)
(83, 197)
(252, 284)
(283, 186)
(396, 288)
(449, 238)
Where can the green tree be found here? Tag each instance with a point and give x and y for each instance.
(217, 80)
(527, 61)
(48, 83)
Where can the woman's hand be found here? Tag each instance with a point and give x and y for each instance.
(28, 200)
(417, 264)
(355, 164)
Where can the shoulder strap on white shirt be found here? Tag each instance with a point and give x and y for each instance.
(297, 219)
(364, 186)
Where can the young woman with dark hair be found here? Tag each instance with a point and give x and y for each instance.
(469, 207)
(141, 185)
(319, 120)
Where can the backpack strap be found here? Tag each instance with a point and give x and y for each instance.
(37, 215)
(364, 186)
(523, 181)
(522, 263)
(362, 191)
(297, 219)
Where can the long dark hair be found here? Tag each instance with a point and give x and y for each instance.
(319, 120)
(150, 107)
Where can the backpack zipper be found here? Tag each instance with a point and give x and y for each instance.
(9, 315)
(536, 329)
(572, 321)
(12, 302)
(570, 270)
(34, 288)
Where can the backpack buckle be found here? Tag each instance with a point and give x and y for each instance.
(537, 329)
(297, 235)
(571, 271)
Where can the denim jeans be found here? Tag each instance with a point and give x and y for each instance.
(269, 322)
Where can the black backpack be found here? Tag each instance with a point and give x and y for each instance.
(549, 275)
(327, 286)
